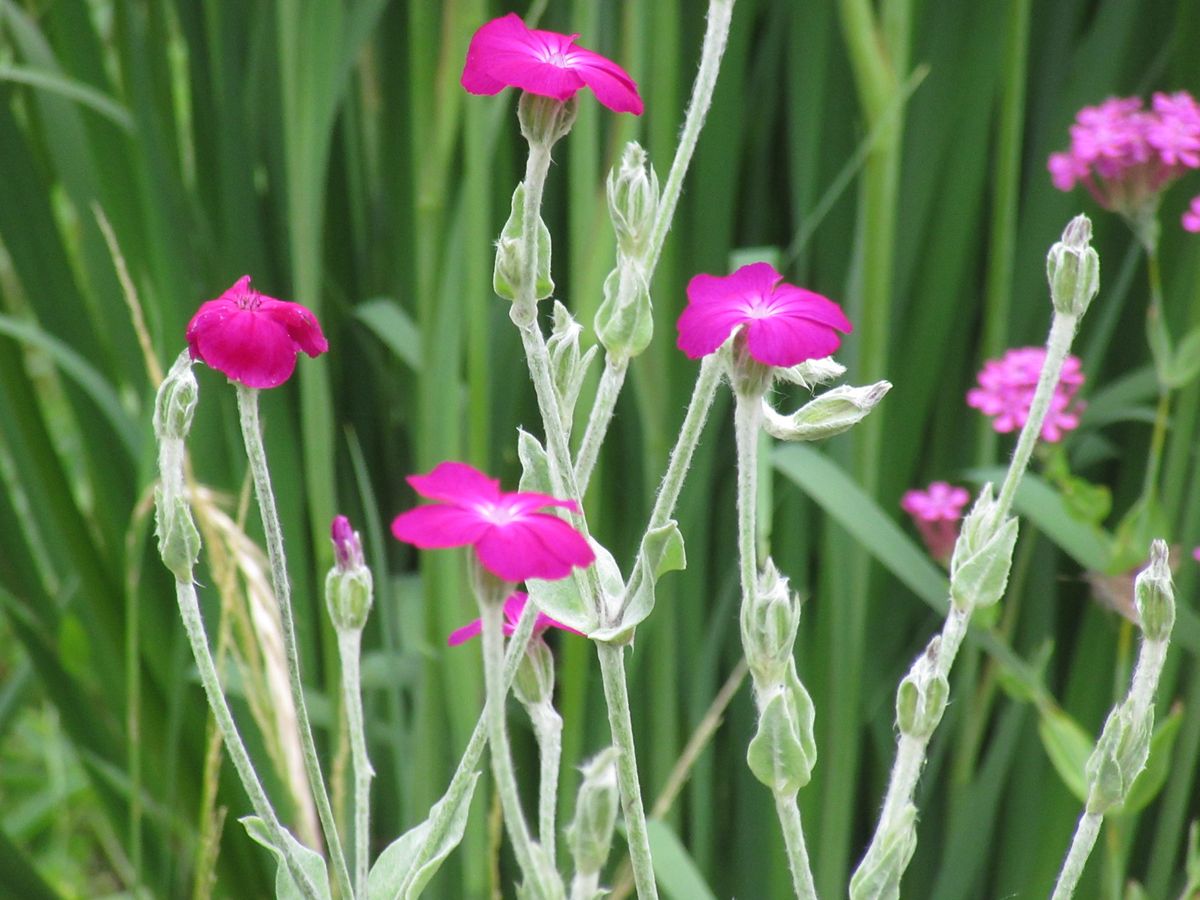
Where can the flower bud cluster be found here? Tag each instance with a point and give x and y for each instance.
(783, 751)
(625, 320)
(1073, 269)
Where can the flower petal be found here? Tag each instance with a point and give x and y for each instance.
(301, 324)
(609, 82)
(537, 546)
(468, 631)
(702, 329)
(798, 301)
(247, 347)
(527, 502)
(456, 482)
(504, 52)
(788, 340)
(436, 526)
(755, 280)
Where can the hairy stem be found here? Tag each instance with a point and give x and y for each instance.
(349, 648)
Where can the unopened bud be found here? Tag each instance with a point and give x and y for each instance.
(879, 874)
(1073, 269)
(769, 620)
(567, 365)
(1154, 594)
(349, 588)
(1119, 756)
(175, 403)
(784, 749)
(921, 698)
(982, 555)
(544, 120)
(590, 833)
(625, 320)
(633, 200)
(833, 412)
(534, 683)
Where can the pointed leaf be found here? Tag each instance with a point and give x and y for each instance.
(311, 862)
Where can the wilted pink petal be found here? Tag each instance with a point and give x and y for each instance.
(506, 53)
(251, 338)
(784, 324)
(512, 540)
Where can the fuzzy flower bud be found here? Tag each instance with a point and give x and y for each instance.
(1155, 595)
(633, 200)
(508, 276)
(590, 833)
(921, 698)
(1073, 268)
(544, 120)
(1119, 756)
(534, 683)
(175, 403)
(178, 539)
(983, 555)
(833, 412)
(625, 320)
(348, 586)
(769, 622)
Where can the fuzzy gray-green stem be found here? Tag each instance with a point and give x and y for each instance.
(349, 648)
(748, 416)
(616, 697)
(257, 455)
(1086, 833)
(547, 730)
(598, 420)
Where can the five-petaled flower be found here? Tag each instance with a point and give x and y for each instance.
(512, 540)
(936, 512)
(783, 325)
(513, 607)
(507, 53)
(1006, 389)
(252, 338)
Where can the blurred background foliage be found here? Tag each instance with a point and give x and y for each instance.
(892, 158)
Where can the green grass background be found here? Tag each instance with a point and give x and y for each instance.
(893, 155)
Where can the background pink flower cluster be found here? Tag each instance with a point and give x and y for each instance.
(1006, 387)
(1126, 154)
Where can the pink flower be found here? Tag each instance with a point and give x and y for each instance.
(1126, 155)
(1006, 388)
(784, 324)
(1191, 216)
(505, 53)
(253, 338)
(511, 539)
(513, 608)
(936, 512)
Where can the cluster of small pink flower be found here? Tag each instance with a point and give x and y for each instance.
(1006, 388)
(936, 512)
(1126, 155)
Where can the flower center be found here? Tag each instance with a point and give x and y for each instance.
(759, 307)
(497, 513)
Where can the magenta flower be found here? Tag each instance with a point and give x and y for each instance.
(784, 324)
(937, 512)
(253, 338)
(1126, 155)
(511, 539)
(513, 607)
(1006, 388)
(506, 53)
(1190, 220)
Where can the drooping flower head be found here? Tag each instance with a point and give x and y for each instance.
(781, 324)
(253, 338)
(513, 607)
(1126, 155)
(512, 540)
(506, 53)
(1006, 388)
(937, 511)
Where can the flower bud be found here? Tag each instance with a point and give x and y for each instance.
(175, 403)
(1119, 757)
(833, 412)
(508, 276)
(534, 683)
(784, 749)
(178, 539)
(544, 120)
(1155, 595)
(982, 555)
(625, 320)
(633, 200)
(879, 874)
(769, 621)
(567, 365)
(349, 587)
(590, 833)
(921, 698)
(1073, 269)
